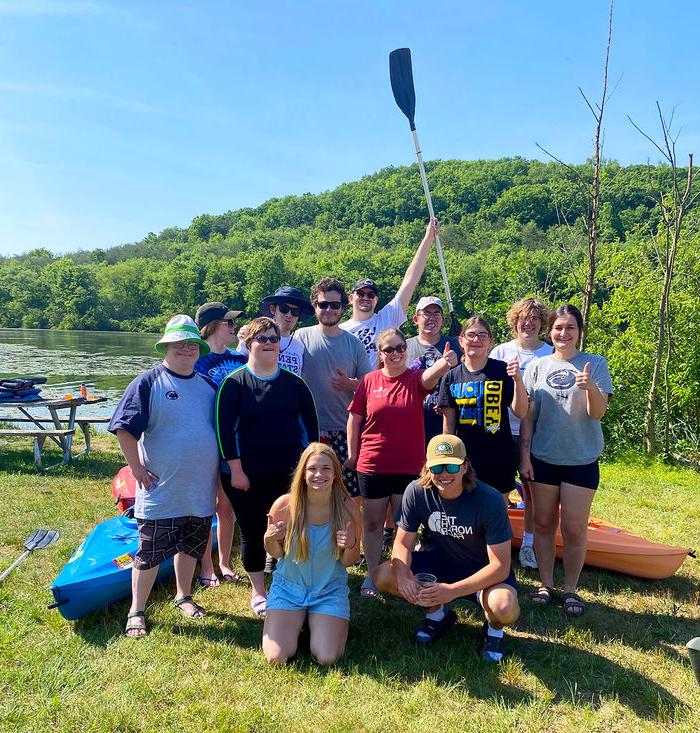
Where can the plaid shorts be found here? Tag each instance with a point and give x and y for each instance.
(160, 539)
(338, 440)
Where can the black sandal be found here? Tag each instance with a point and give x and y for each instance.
(542, 596)
(196, 612)
(573, 604)
(131, 626)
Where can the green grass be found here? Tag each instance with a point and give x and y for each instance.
(622, 667)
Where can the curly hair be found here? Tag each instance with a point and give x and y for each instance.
(527, 308)
(326, 285)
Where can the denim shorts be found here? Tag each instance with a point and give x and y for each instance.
(332, 599)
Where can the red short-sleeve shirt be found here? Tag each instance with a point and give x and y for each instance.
(393, 434)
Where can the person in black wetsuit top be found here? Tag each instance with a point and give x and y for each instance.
(265, 417)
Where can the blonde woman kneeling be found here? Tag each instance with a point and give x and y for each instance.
(315, 532)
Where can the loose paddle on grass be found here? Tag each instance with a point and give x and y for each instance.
(38, 540)
(401, 75)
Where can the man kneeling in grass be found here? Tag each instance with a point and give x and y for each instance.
(469, 555)
(165, 427)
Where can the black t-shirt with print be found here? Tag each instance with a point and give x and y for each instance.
(481, 400)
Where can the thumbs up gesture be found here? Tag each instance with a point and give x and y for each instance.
(275, 530)
(583, 379)
(513, 368)
(450, 356)
(345, 538)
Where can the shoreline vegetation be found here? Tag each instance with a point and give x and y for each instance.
(511, 228)
(621, 667)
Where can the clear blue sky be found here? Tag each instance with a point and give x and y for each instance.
(120, 117)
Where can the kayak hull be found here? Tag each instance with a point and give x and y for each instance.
(612, 548)
(98, 573)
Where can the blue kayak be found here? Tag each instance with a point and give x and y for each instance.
(99, 571)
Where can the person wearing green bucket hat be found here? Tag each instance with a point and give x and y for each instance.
(164, 423)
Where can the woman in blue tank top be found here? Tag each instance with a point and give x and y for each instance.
(314, 531)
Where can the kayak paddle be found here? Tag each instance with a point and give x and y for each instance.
(401, 75)
(38, 540)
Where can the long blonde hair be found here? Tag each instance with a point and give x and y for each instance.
(296, 542)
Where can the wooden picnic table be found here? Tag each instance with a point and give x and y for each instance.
(57, 428)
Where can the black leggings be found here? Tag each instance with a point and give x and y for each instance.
(251, 508)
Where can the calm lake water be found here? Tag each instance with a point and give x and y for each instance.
(107, 359)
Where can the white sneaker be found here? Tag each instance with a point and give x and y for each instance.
(527, 557)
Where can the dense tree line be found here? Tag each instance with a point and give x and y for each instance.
(511, 228)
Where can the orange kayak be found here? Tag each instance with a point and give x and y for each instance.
(616, 549)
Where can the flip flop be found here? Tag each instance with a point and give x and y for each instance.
(204, 582)
(233, 578)
(368, 590)
(195, 612)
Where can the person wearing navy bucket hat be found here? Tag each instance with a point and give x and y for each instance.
(286, 307)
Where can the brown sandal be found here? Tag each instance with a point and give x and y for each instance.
(573, 604)
(543, 595)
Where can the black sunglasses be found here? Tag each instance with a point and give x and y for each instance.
(334, 305)
(265, 339)
(284, 308)
(391, 349)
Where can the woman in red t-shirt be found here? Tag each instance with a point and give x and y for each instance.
(386, 436)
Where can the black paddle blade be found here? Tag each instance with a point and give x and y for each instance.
(455, 325)
(401, 75)
(41, 538)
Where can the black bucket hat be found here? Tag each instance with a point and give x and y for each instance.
(287, 294)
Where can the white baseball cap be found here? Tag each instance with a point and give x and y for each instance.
(427, 300)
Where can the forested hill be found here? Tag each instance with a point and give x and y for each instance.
(510, 228)
(489, 210)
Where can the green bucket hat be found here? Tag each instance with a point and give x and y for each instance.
(182, 328)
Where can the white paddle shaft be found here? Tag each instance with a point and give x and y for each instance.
(429, 199)
(23, 556)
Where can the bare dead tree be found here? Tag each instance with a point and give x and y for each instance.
(673, 207)
(592, 189)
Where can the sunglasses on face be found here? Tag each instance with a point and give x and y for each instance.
(334, 305)
(366, 294)
(449, 467)
(265, 339)
(284, 308)
(400, 349)
(186, 345)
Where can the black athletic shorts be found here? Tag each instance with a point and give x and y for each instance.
(160, 539)
(587, 476)
(447, 571)
(383, 485)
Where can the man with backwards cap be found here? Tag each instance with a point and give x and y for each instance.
(425, 349)
(165, 426)
(469, 555)
(217, 326)
(286, 307)
(367, 324)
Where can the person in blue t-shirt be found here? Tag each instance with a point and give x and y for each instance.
(165, 427)
(217, 326)
(469, 555)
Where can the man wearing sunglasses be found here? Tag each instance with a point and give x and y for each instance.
(469, 555)
(333, 364)
(286, 307)
(365, 323)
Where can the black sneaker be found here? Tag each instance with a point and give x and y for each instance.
(270, 564)
(388, 539)
(431, 630)
(494, 647)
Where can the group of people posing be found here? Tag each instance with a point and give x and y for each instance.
(324, 441)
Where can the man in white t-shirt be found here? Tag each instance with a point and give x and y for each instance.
(527, 319)
(367, 324)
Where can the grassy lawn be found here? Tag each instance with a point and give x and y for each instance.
(622, 667)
